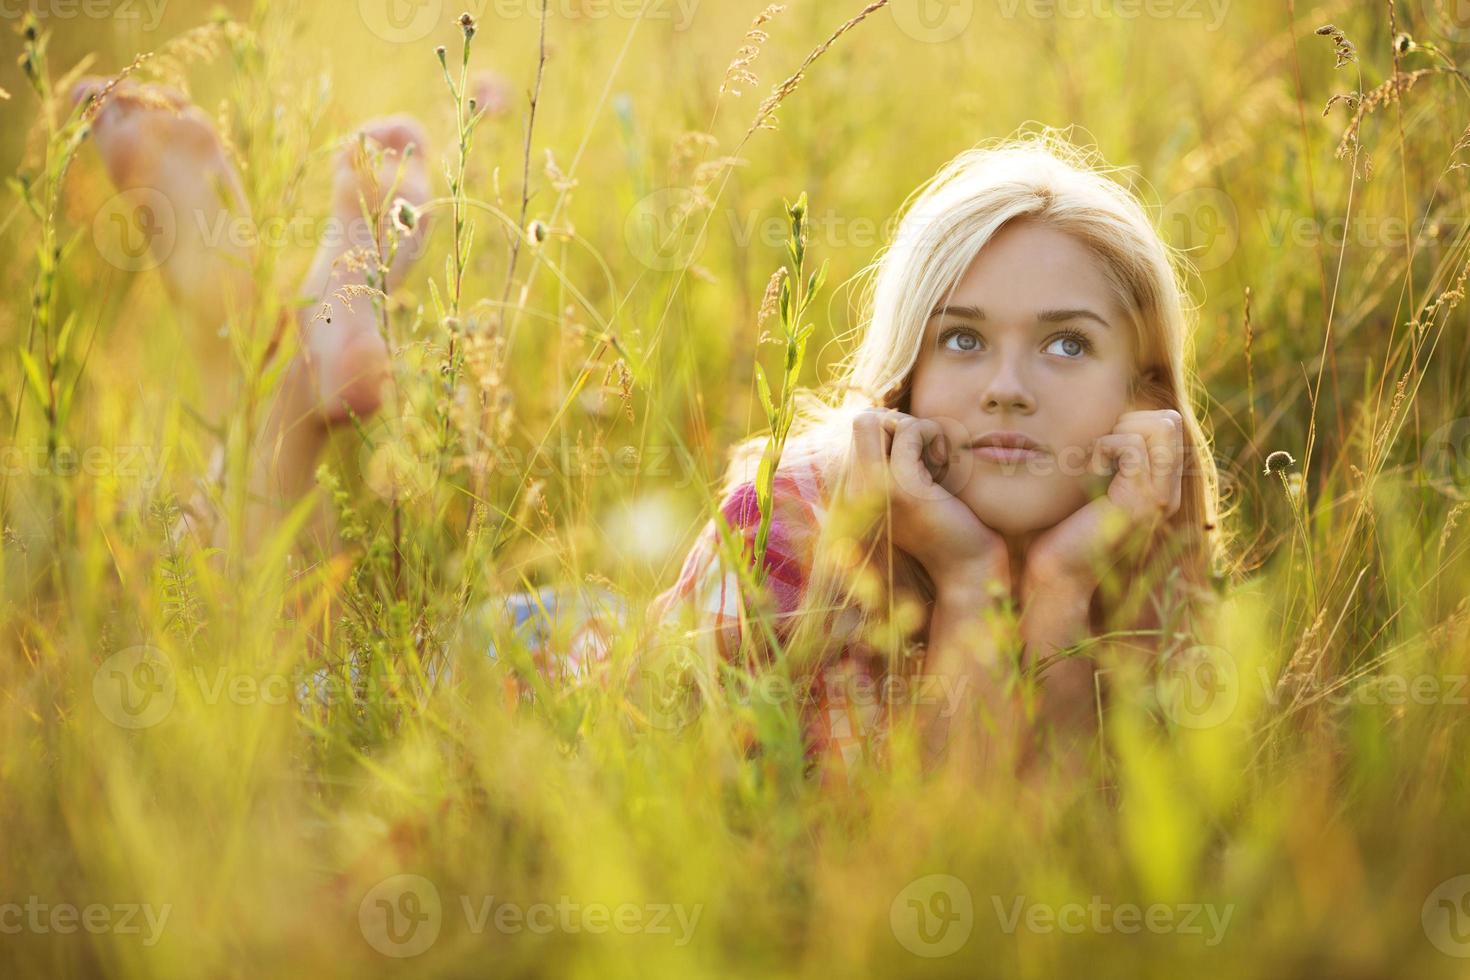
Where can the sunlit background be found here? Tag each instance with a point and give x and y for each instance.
(170, 803)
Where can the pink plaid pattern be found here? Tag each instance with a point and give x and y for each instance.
(837, 729)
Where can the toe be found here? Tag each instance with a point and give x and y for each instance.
(86, 88)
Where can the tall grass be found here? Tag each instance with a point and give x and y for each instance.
(256, 750)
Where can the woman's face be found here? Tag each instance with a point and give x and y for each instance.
(1030, 351)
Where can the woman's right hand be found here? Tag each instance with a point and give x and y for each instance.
(903, 463)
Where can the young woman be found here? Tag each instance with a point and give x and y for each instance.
(1012, 433)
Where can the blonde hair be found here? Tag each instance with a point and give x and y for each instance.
(1042, 177)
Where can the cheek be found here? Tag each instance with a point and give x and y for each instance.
(1084, 408)
(928, 391)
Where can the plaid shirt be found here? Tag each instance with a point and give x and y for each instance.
(838, 726)
(568, 634)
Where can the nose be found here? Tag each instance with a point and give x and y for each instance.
(1007, 389)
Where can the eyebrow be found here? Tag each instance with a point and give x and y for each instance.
(1045, 316)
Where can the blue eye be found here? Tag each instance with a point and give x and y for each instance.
(962, 341)
(1070, 345)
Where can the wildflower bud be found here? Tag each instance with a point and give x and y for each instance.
(467, 24)
(441, 53)
(27, 63)
(405, 216)
(472, 104)
(1403, 44)
(32, 27)
(537, 231)
(1278, 461)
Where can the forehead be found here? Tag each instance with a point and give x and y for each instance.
(1029, 266)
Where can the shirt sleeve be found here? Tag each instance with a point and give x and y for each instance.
(708, 594)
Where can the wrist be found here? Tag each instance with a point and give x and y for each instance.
(971, 584)
(1057, 587)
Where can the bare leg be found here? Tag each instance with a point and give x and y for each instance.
(165, 155)
(342, 365)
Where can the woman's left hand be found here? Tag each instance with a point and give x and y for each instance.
(1145, 451)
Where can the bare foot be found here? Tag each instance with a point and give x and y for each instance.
(182, 194)
(379, 171)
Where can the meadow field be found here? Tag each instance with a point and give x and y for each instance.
(238, 757)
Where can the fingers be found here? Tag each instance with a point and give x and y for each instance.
(1163, 435)
(919, 449)
(1125, 456)
(891, 448)
(869, 454)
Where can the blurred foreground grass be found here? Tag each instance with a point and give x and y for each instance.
(168, 808)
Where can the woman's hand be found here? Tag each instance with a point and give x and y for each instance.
(1145, 451)
(902, 462)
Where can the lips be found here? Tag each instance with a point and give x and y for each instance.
(1007, 447)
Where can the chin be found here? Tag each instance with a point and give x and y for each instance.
(1014, 507)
